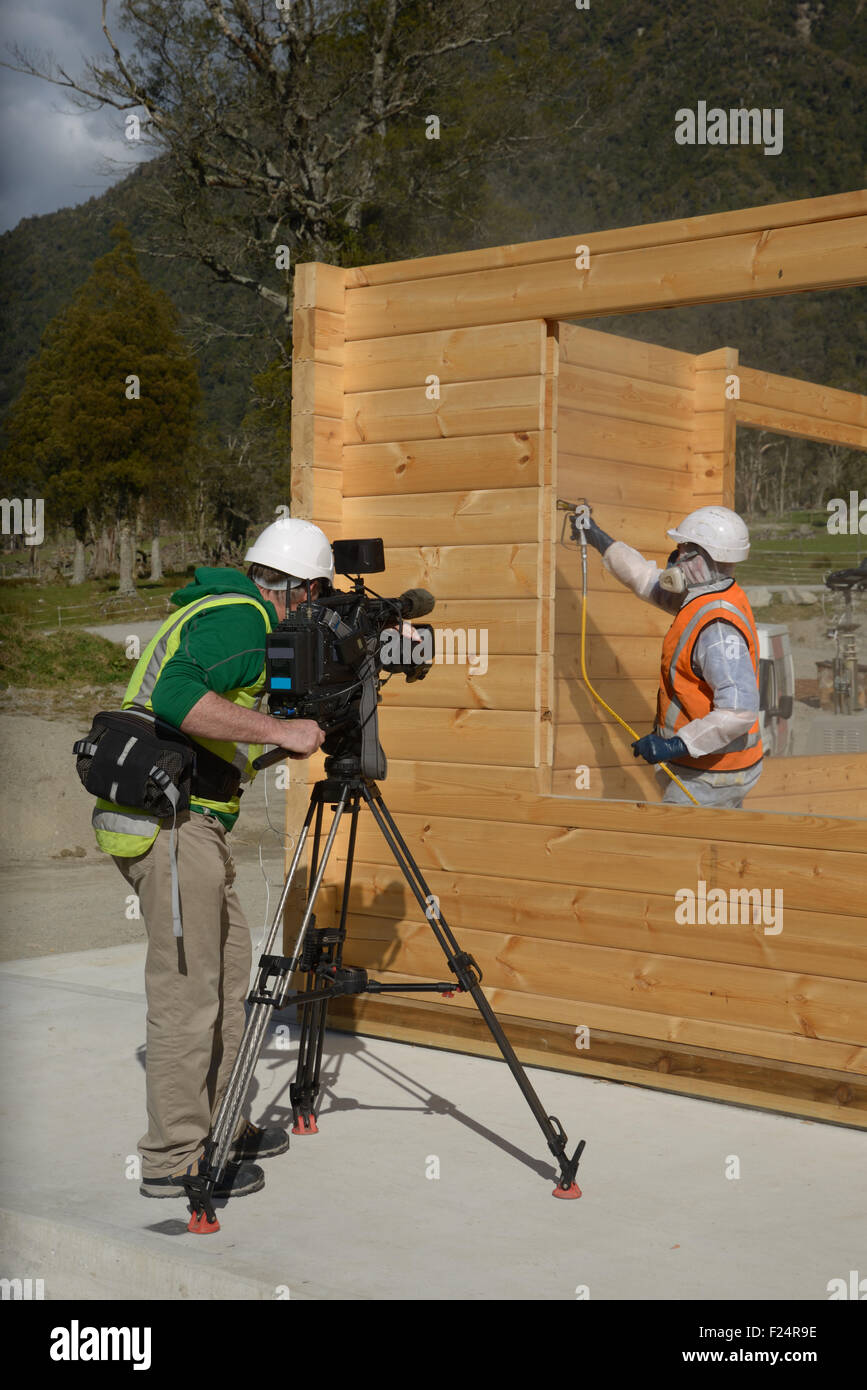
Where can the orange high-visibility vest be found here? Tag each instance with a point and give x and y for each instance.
(684, 695)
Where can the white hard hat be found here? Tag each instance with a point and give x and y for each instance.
(294, 547)
(717, 530)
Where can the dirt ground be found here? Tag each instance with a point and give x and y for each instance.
(58, 892)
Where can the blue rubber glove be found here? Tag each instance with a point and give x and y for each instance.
(656, 749)
(599, 539)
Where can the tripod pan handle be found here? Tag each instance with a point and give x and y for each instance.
(275, 755)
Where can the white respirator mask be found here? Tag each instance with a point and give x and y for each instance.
(687, 569)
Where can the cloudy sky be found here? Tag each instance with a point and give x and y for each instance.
(53, 155)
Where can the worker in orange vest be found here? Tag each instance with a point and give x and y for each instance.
(707, 710)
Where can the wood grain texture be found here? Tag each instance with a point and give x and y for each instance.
(829, 883)
(471, 517)
(802, 212)
(835, 945)
(471, 407)
(793, 422)
(826, 1008)
(749, 265)
(677, 1067)
(442, 465)
(466, 354)
(522, 795)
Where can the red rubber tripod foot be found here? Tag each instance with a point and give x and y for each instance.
(567, 1192)
(305, 1124)
(201, 1226)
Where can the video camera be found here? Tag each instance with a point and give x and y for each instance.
(323, 661)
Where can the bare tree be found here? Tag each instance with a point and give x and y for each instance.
(296, 129)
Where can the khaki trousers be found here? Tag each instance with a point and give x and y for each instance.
(195, 985)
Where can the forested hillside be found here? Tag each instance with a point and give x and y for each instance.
(565, 124)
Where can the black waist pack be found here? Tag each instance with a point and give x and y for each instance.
(134, 758)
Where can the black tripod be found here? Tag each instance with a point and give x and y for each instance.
(319, 952)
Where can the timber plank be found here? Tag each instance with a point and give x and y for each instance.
(586, 347)
(462, 735)
(759, 218)
(474, 407)
(508, 684)
(473, 517)
(615, 615)
(522, 795)
(456, 572)
(442, 465)
(786, 1049)
(482, 352)
(318, 335)
(823, 1094)
(835, 946)
(490, 793)
(649, 487)
(749, 265)
(625, 397)
(632, 700)
(829, 882)
(792, 422)
(831, 1009)
(790, 394)
(609, 440)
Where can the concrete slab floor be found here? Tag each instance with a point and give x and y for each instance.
(429, 1178)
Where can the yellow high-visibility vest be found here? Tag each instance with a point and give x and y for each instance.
(125, 831)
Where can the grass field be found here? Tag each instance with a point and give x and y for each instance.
(800, 559)
(95, 601)
(58, 660)
(43, 649)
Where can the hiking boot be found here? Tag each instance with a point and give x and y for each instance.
(238, 1180)
(254, 1142)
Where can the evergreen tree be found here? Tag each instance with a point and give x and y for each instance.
(108, 409)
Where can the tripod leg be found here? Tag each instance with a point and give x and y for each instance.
(303, 1121)
(226, 1123)
(300, 1092)
(469, 977)
(307, 1079)
(264, 999)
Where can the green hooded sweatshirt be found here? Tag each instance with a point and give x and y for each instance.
(221, 649)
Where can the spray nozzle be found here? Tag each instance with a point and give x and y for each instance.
(580, 514)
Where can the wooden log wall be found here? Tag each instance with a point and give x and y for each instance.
(648, 434)
(569, 905)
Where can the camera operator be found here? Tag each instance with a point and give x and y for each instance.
(204, 673)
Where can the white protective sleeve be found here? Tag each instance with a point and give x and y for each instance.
(631, 568)
(718, 728)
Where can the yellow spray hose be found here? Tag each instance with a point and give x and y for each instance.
(596, 696)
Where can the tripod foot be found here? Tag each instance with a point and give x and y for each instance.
(203, 1221)
(305, 1124)
(201, 1225)
(567, 1192)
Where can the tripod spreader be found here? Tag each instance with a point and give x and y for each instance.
(318, 952)
(336, 980)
